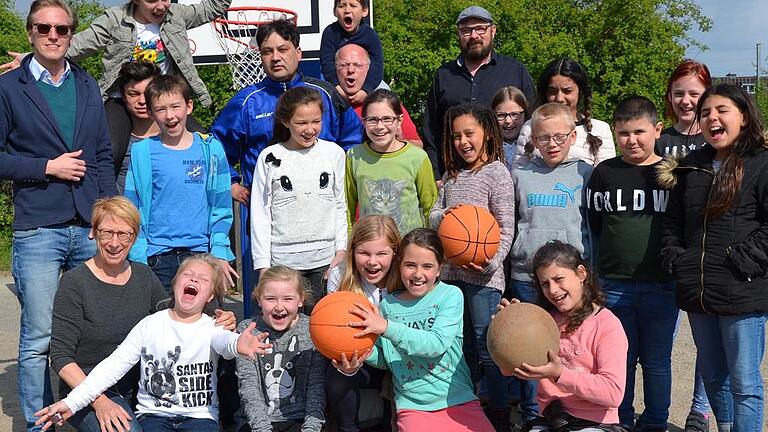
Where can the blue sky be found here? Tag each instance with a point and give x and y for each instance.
(737, 26)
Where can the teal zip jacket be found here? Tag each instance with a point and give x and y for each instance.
(138, 188)
(422, 346)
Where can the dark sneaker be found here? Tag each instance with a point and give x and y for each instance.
(696, 422)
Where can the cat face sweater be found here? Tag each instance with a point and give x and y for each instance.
(298, 206)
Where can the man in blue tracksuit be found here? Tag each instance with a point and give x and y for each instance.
(245, 125)
(54, 146)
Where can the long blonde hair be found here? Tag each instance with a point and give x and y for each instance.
(369, 228)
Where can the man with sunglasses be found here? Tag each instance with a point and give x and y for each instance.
(474, 77)
(54, 146)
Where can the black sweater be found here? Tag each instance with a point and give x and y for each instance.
(91, 318)
(720, 263)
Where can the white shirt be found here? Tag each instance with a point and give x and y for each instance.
(178, 367)
(372, 292)
(40, 73)
(579, 149)
(149, 47)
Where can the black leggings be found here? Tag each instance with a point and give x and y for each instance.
(344, 395)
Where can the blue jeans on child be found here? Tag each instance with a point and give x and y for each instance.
(39, 257)
(648, 313)
(526, 292)
(85, 420)
(732, 347)
(165, 265)
(156, 423)
(479, 306)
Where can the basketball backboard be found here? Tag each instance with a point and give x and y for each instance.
(313, 17)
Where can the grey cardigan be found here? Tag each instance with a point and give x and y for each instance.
(115, 33)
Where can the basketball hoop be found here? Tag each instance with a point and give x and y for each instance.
(236, 34)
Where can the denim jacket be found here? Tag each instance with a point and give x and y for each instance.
(115, 33)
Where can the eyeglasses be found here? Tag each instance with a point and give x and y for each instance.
(373, 121)
(44, 29)
(558, 138)
(122, 236)
(501, 116)
(346, 65)
(479, 29)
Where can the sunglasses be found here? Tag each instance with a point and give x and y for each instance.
(44, 29)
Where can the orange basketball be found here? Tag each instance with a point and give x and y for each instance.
(469, 234)
(522, 333)
(328, 325)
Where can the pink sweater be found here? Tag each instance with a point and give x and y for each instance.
(594, 358)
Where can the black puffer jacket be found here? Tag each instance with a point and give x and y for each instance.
(720, 263)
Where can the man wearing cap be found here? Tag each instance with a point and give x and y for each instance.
(474, 77)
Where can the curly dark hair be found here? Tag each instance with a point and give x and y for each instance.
(491, 130)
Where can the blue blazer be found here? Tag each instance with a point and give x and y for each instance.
(30, 137)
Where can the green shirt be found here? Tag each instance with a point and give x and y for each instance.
(422, 346)
(398, 184)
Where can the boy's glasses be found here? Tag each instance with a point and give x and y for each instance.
(122, 236)
(44, 29)
(373, 121)
(558, 138)
(345, 66)
(501, 116)
(479, 29)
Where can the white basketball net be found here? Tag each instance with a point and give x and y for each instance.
(236, 34)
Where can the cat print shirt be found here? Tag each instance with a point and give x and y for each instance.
(298, 206)
(178, 367)
(398, 184)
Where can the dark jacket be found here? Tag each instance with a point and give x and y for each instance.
(720, 263)
(334, 37)
(30, 137)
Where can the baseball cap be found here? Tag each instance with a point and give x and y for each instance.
(474, 12)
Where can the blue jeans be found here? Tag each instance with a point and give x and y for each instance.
(165, 265)
(479, 306)
(39, 257)
(156, 423)
(731, 349)
(85, 420)
(526, 292)
(699, 401)
(648, 313)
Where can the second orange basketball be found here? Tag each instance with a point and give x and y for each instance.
(469, 234)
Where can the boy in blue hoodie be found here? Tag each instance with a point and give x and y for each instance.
(180, 183)
(349, 28)
(550, 205)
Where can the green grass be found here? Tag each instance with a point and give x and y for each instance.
(5, 251)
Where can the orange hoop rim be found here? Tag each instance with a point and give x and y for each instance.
(292, 15)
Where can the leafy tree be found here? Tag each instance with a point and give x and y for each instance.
(627, 46)
(13, 35)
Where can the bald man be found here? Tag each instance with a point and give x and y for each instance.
(352, 64)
